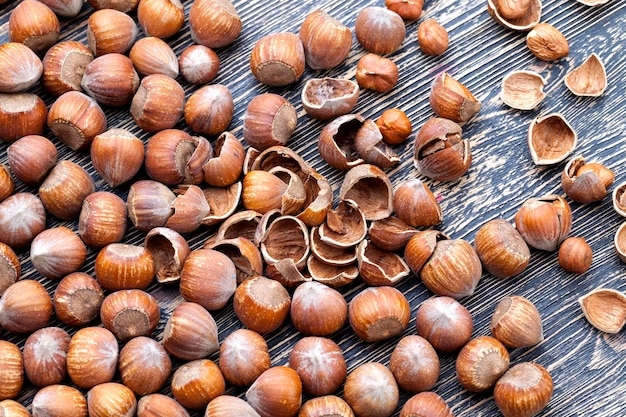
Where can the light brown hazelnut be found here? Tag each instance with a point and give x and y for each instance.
(432, 37)
(212, 291)
(544, 222)
(21, 67)
(326, 40)
(407, 9)
(277, 392)
(31, 158)
(379, 313)
(214, 23)
(516, 322)
(65, 8)
(14, 409)
(209, 110)
(25, 306)
(102, 219)
(121, 266)
(63, 67)
(371, 390)
(317, 309)
(481, 362)
(261, 304)
(546, 42)
(144, 365)
(445, 323)
(196, 383)
(152, 55)
(92, 357)
(59, 401)
(160, 18)
(111, 399)
(130, 313)
(110, 31)
(326, 405)
(225, 166)
(64, 189)
(7, 184)
(450, 99)
(501, 249)
(575, 255)
(75, 119)
(160, 404)
(12, 371)
(21, 114)
(173, 156)
(278, 59)
(57, 251)
(149, 204)
(117, 155)
(524, 390)
(198, 64)
(45, 353)
(415, 204)
(376, 73)
(22, 217)
(394, 125)
(379, 30)
(158, 103)
(414, 364)
(77, 299)
(111, 79)
(35, 25)
(9, 266)
(244, 356)
(320, 364)
(269, 120)
(190, 332)
(426, 403)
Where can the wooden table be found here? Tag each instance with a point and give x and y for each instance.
(587, 366)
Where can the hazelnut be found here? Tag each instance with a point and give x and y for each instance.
(244, 356)
(190, 332)
(445, 323)
(426, 403)
(12, 371)
(160, 405)
(516, 322)
(244, 253)
(124, 266)
(92, 357)
(63, 67)
(415, 204)
(586, 182)
(158, 103)
(152, 55)
(371, 390)
(278, 59)
(546, 42)
(31, 158)
(144, 365)
(394, 125)
(160, 18)
(330, 405)
(326, 40)
(376, 73)
(149, 204)
(604, 309)
(481, 362)
(229, 406)
(57, 251)
(9, 266)
(111, 79)
(575, 255)
(13, 409)
(77, 299)
(196, 383)
(21, 67)
(277, 392)
(35, 25)
(102, 219)
(415, 364)
(64, 189)
(528, 19)
(432, 37)
(75, 119)
(65, 8)
(209, 110)
(198, 64)
(59, 401)
(226, 165)
(379, 313)
(379, 30)
(261, 304)
(269, 120)
(450, 99)
(130, 313)
(110, 31)
(407, 9)
(22, 217)
(214, 23)
(7, 184)
(320, 364)
(45, 353)
(111, 399)
(501, 249)
(125, 6)
(173, 157)
(588, 79)
(336, 141)
(317, 309)
(21, 114)
(524, 390)
(544, 222)
(25, 307)
(210, 291)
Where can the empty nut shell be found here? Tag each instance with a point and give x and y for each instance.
(551, 139)
(336, 142)
(370, 188)
(522, 90)
(380, 267)
(327, 98)
(604, 309)
(589, 79)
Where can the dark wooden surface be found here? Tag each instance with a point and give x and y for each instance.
(587, 366)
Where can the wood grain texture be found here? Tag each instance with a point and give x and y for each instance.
(588, 367)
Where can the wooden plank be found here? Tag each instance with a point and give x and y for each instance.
(586, 365)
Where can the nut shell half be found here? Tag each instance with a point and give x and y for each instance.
(551, 139)
(604, 309)
(327, 98)
(589, 79)
(522, 90)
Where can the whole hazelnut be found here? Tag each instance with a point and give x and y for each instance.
(59, 401)
(77, 299)
(10, 267)
(432, 37)
(212, 291)
(65, 8)
(524, 390)
(394, 125)
(317, 309)
(111, 399)
(31, 158)
(160, 18)
(407, 9)
(13, 408)
(214, 23)
(452, 100)
(102, 219)
(110, 31)
(379, 30)
(123, 266)
(45, 353)
(320, 364)
(130, 313)
(111, 80)
(75, 119)
(269, 120)
(261, 304)
(278, 59)
(21, 67)
(516, 322)
(481, 362)
(158, 103)
(190, 332)
(427, 404)
(144, 365)
(244, 356)
(64, 189)
(376, 73)
(544, 222)
(64, 65)
(209, 110)
(160, 405)
(198, 64)
(277, 392)
(445, 323)
(12, 370)
(326, 40)
(35, 25)
(329, 405)
(25, 307)
(546, 42)
(92, 357)
(57, 251)
(152, 55)
(22, 217)
(21, 114)
(371, 390)
(196, 383)
(501, 249)
(575, 255)
(379, 313)
(415, 364)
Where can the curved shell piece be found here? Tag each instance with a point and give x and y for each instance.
(619, 199)
(605, 309)
(332, 275)
(336, 142)
(522, 90)
(589, 79)
(345, 226)
(521, 24)
(380, 267)
(327, 98)
(370, 188)
(619, 242)
(551, 139)
(285, 237)
(331, 254)
(593, 2)
(223, 201)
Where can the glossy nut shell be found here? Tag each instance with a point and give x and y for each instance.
(501, 249)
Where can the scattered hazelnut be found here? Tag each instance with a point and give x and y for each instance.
(326, 40)
(25, 307)
(371, 390)
(110, 31)
(452, 100)
(190, 332)
(209, 110)
(124, 266)
(544, 222)
(130, 313)
(198, 64)
(9, 266)
(21, 114)
(102, 219)
(214, 23)
(92, 357)
(35, 25)
(278, 59)
(64, 189)
(111, 399)
(379, 313)
(111, 79)
(160, 18)
(516, 322)
(415, 364)
(320, 364)
(376, 73)
(269, 120)
(415, 204)
(395, 126)
(160, 405)
(261, 304)
(586, 182)
(45, 353)
(407, 9)
(501, 249)
(432, 37)
(524, 390)
(379, 30)
(12, 371)
(426, 403)
(481, 362)
(196, 383)
(75, 119)
(445, 323)
(575, 255)
(59, 401)
(277, 392)
(57, 251)
(329, 405)
(21, 67)
(22, 217)
(152, 55)
(317, 309)
(158, 103)
(211, 291)
(244, 356)
(77, 299)
(31, 158)
(63, 67)
(144, 365)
